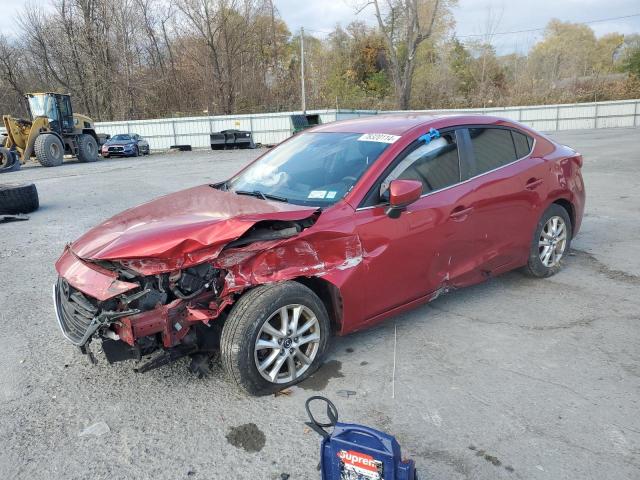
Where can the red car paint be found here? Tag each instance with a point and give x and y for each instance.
(371, 265)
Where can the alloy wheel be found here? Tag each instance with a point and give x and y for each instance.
(552, 242)
(287, 344)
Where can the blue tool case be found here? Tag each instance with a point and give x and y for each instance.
(356, 452)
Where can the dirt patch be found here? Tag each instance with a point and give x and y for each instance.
(319, 380)
(447, 458)
(600, 267)
(248, 437)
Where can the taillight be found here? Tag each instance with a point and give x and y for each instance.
(578, 159)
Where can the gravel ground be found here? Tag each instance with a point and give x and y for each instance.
(514, 378)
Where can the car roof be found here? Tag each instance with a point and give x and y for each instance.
(398, 124)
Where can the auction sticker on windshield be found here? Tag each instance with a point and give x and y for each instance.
(378, 137)
(317, 194)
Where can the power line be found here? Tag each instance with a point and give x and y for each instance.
(543, 28)
(512, 32)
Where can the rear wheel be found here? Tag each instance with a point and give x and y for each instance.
(551, 241)
(49, 150)
(275, 336)
(87, 148)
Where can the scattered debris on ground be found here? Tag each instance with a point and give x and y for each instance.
(345, 393)
(96, 430)
(13, 218)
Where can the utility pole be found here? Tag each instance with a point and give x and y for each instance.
(303, 94)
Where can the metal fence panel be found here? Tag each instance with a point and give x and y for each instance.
(272, 128)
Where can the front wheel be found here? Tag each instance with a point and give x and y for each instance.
(275, 336)
(550, 243)
(49, 150)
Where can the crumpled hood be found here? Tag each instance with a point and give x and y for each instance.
(180, 229)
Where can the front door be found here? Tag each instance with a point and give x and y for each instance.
(416, 254)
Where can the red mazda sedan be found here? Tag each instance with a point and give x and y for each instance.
(334, 230)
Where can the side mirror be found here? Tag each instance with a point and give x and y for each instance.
(402, 193)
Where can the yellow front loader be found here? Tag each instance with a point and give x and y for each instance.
(53, 131)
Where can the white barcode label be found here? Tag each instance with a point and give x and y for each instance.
(378, 137)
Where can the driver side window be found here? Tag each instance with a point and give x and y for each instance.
(435, 164)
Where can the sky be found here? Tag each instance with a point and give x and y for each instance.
(472, 17)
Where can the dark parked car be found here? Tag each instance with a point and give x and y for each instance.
(125, 145)
(334, 230)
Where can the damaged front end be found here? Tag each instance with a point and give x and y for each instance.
(141, 307)
(168, 311)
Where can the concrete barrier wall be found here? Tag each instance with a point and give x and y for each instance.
(272, 128)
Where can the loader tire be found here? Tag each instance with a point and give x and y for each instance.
(49, 150)
(87, 148)
(18, 198)
(6, 157)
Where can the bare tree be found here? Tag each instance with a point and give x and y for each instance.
(405, 24)
(125, 59)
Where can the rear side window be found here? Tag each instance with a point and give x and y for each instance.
(435, 164)
(522, 143)
(496, 147)
(493, 148)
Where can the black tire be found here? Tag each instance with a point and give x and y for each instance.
(18, 198)
(6, 157)
(136, 152)
(49, 150)
(535, 267)
(244, 323)
(87, 148)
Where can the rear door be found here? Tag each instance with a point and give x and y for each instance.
(505, 182)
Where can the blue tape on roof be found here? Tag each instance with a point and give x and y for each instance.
(431, 135)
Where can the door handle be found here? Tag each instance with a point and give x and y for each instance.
(460, 212)
(533, 183)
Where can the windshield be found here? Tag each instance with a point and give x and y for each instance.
(121, 137)
(43, 106)
(310, 169)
